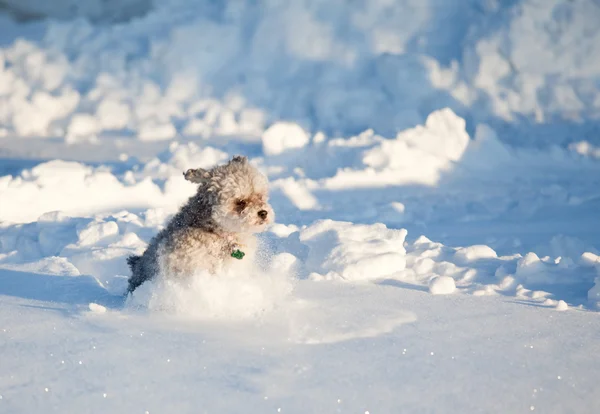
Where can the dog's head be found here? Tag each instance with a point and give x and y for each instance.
(239, 195)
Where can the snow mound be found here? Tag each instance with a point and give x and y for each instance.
(283, 136)
(594, 293)
(473, 253)
(442, 285)
(417, 155)
(353, 252)
(592, 260)
(444, 135)
(586, 149)
(72, 188)
(52, 265)
(562, 306)
(531, 269)
(96, 308)
(244, 293)
(61, 245)
(553, 53)
(76, 189)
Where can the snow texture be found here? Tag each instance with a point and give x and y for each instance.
(442, 285)
(434, 167)
(525, 67)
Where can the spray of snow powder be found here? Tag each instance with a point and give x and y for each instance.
(244, 291)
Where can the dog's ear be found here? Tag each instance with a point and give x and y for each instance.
(240, 158)
(197, 175)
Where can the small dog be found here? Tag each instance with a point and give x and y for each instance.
(214, 228)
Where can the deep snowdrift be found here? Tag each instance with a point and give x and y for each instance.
(200, 68)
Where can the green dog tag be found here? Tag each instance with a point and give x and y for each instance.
(238, 254)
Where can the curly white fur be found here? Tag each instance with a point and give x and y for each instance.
(231, 204)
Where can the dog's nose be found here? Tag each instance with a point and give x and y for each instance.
(263, 214)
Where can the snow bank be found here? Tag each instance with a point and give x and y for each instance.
(62, 245)
(417, 155)
(539, 62)
(358, 253)
(76, 189)
(204, 69)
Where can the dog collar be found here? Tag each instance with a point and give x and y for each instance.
(238, 254)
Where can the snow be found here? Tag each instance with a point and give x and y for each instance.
(283, 136)
(111, 10)
(435, 171)
(521, 67)
(562, 306)
(246, 292)
(473, 253)
(353, 252)
(135, 360)
(94, 307)
(442, 285)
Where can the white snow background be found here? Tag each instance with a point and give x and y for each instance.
(434, 166)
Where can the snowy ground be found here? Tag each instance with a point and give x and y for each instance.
(437, 189)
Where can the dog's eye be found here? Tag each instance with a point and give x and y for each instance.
(241, 204)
